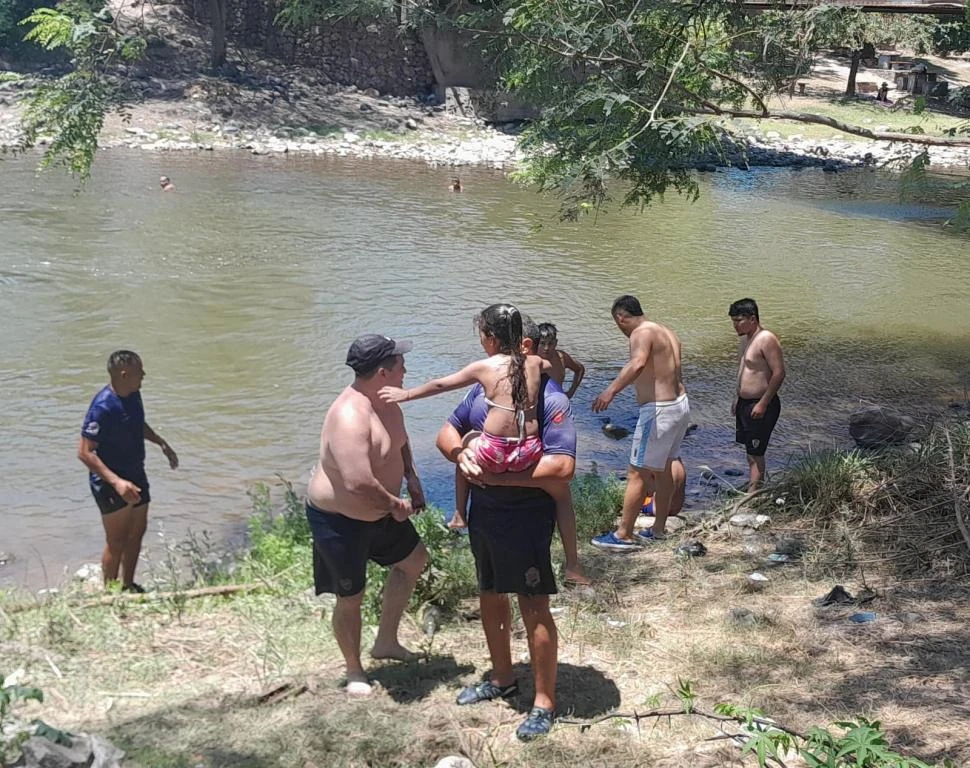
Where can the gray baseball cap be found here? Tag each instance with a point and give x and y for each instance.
(368, 350)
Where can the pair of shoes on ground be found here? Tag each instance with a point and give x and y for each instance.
(613, 543)
(137, 589)
(538, 723)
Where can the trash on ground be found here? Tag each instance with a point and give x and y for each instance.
(836, 596)
(863, 617)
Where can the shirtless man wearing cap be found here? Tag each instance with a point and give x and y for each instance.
(354, 506)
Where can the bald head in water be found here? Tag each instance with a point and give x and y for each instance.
(166, 184)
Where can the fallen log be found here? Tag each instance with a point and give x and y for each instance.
(146, 597)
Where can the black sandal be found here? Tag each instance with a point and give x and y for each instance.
(486, 691)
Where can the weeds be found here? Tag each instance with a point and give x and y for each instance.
(597, 501)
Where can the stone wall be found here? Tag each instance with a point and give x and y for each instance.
(378, 55)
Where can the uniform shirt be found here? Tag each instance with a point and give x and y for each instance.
(117, 425)
(557, 429)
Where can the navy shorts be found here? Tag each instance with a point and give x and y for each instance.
(107, 497)
(510, 533)
(342, 546)
(755, 433)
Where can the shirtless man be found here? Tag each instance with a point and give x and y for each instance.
(654, 369)
(354, 506)
(761, 371)
(559, 360)
(166, 184)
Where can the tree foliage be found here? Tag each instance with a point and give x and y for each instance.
(70, 110)
(633, 90)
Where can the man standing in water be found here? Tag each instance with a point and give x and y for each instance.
(761, 371)
(654, 369)
(354, 506)
(112, 447)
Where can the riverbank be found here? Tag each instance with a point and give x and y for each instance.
(264, 107)
(208, 114)
(253, 678)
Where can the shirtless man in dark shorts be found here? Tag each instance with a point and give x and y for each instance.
(761, 371)
(354, 506)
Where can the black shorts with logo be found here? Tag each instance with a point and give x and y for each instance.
(107, 497)
(755, 433)
(510, 532)
(342, 546)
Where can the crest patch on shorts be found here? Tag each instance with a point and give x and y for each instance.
(755, 443)
(532, 577)
(345, 585)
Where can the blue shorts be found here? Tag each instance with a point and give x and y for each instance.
(107, 497)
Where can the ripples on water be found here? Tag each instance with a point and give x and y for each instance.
(243, 290)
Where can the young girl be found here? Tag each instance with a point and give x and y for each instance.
(509, 440)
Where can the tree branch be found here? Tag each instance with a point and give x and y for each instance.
(856, 130)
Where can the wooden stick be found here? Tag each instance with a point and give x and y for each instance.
(147, 597)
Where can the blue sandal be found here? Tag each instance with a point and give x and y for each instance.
(538, 723)
(486, 691)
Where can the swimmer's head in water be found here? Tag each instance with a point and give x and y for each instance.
(164, 181)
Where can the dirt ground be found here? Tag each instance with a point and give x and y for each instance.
(191, 685)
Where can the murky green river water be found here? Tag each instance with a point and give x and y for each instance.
(242, 291)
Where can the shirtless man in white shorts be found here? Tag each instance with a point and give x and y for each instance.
(654, 369)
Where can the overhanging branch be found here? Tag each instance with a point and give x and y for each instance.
(855, 130)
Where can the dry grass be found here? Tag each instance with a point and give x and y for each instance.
(181, 686)
(185, 692)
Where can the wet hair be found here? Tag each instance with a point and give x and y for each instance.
(744, 308)
(503, 322)
(628, 304)
(530, 330)
(123, 358)
(548, 333)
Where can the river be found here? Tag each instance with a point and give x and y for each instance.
(243, 290)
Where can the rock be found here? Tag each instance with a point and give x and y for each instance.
(372, 92)
(88, 572)
(616, 432)
(742, 617)
(350, 137)
(5, 558)
(453, 761)
(365, 107)
(85, 751)
(691, 548)
(410, 124)
(875, 426)
(756, 582)
(749, 520)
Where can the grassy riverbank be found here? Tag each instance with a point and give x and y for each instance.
(251, 679)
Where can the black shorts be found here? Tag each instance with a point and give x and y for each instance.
(755, 433)
(342, 546)
(510, 532)
(107, 497)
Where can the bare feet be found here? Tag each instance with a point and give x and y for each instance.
(397, 652)
(357, 685)
(457, 522)
(573, 574)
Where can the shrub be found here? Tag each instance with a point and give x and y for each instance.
(597, 501)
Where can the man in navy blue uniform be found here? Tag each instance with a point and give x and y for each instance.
(511, 521)
(112, 447)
